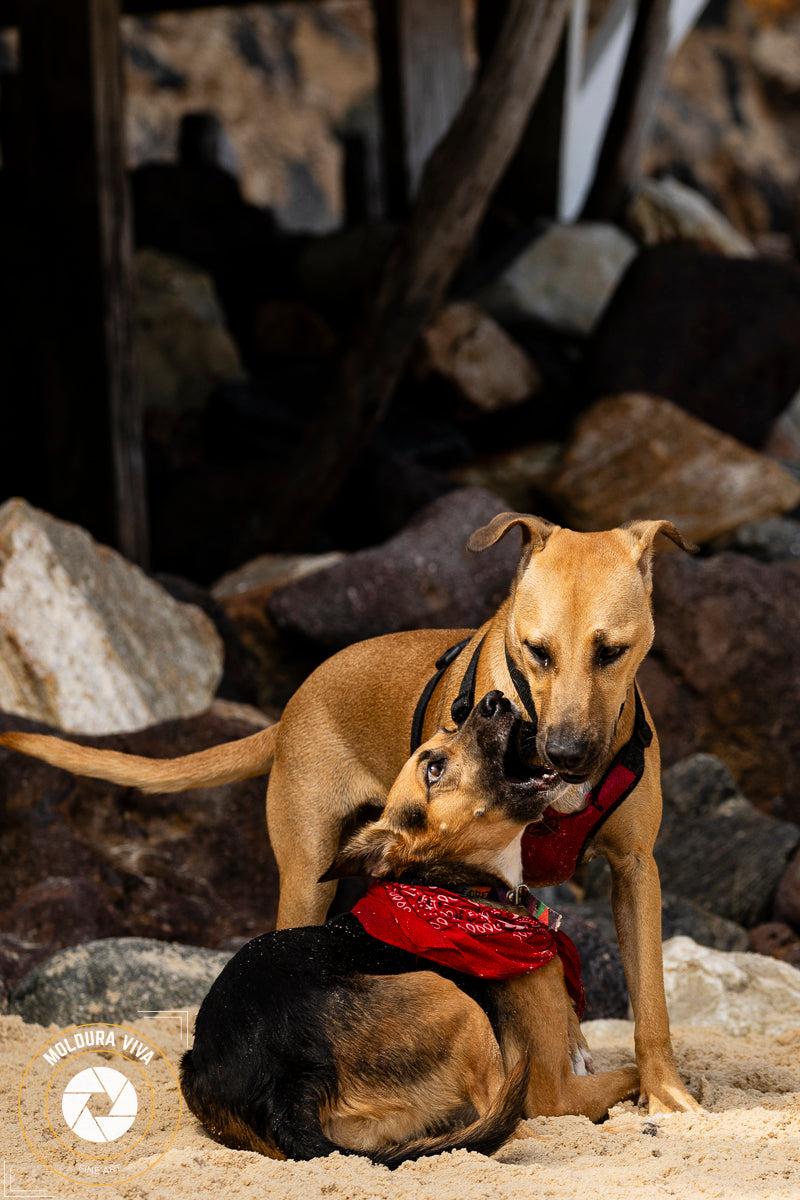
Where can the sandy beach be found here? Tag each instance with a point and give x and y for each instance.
(747, 1143)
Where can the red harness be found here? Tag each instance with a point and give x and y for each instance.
(475, 939)
(553, 848)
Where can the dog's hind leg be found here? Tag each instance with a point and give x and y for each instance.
(537, 1017)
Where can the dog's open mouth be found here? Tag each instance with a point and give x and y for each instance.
(518, 772)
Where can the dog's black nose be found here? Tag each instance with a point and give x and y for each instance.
(566, 753)
(491, 703)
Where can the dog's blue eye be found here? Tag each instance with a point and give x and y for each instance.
(435, 770)
(538, 654)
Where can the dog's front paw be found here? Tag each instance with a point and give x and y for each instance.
(669, 1096)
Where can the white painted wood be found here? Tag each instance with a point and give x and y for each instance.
(592, 80)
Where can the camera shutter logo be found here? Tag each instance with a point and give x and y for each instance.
(82, 1090)
(99, 1104)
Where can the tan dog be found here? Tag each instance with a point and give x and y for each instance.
(329, 1038)
(572, 633)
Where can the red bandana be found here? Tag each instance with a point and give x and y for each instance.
(458, 933)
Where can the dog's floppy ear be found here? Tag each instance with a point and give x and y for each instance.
(368, 852)
(642, 535)
(535, 532)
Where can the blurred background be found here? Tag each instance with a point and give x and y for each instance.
(298, 295)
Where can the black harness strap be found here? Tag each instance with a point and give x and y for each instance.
(522, 689)
(463, 701)
(463, 704)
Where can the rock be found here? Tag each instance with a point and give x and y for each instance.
(679, 914)
(777, 539)
(637, 455)
(85, 859)
(776, 940)
(682, 916)
(724, 672)
(565, 278)
(776, 53)
(253, 69)
(277, 663)
(270, 571)
(291, 329)
(664, 210)
(787, 897)
(739, 993)
(715, 848)
(470, 351)
(422, 578)
(716, 335)
(783, 439)
(116, 979)
(601, 968)
(717, 129)
(88, 642)
(518, 476)
(184, 349)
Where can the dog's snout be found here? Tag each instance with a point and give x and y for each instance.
(566, 752)
(493, 703)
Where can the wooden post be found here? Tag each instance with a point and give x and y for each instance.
(456, 186)
(633, 110)
(424, 77)
(79, 248)
(528, 190)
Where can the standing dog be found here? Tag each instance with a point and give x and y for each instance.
(566, 644)
(328, 1038)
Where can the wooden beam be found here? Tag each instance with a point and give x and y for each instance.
(78, 289)
(10, 9)
(456, 186)
(633, 112)
(424, 77)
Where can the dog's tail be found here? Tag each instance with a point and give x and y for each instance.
(486, 1135)
(239, 759)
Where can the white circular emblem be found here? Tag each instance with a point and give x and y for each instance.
(77, 1109)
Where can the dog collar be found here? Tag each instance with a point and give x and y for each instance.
(456, 932)
(521, 896)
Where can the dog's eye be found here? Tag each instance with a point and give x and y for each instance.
(609, 654)
(435, 770)
(538, 654)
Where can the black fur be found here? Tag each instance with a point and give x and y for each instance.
(262, 1059)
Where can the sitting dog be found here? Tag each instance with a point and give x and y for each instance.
(566, 645)
(415, 1023)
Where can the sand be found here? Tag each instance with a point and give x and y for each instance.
(746, 1145)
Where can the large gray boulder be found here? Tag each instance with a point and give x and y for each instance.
(738, 993)
(116, 979)
(88, 643)
(715, 848)
(724, 673)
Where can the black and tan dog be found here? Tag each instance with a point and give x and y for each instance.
(566, 645)
(328, 1038)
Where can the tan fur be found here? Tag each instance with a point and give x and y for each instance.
(413, 1014)
(343, 738)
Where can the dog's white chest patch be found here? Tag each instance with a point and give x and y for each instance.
(508, 864)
